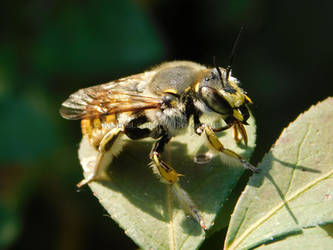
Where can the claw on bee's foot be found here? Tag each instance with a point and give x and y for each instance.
(83, 182)
(187, 203)
(199, 219)
(92, 178)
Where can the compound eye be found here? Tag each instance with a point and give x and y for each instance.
(215, 101)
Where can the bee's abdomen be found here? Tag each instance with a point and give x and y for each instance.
(96, 128)
(86, 127)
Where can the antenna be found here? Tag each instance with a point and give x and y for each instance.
(233, 51)
(218, 71)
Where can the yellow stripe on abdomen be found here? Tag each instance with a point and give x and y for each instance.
(86, 127)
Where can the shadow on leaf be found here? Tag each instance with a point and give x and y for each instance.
(265, 172)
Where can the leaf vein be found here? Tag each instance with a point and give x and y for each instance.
(297, 158)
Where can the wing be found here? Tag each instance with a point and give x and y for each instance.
(123, 95)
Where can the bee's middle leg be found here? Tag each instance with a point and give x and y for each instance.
(107, 142)
(167, 173)
(170, 176)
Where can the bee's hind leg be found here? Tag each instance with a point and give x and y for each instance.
(217, 145)
(170, 176)
(106, 144)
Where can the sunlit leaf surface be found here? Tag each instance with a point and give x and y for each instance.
(294, 190)
(146, 208)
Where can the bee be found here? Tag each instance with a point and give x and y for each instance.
(166, 97)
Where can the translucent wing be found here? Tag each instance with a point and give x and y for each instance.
(123, 95)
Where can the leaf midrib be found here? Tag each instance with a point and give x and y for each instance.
(170, 214)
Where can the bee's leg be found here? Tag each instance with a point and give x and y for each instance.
(170, 176)
(167, 173)
(222, 128)
(239, 127)
(186, 201)
(236, 127)
(135, 133)
(217, 145)
(235, 133)
(105, 144)
(198, 126)
(198, 129)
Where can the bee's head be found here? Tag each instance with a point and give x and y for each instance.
(219, 91)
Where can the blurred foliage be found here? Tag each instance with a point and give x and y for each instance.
(49, 49)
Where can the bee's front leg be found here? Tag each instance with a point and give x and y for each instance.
(217, 145)
(170, 176)
(222, 128)
(106, 144)
(240, 127)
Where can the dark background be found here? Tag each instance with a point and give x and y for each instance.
(49, 49)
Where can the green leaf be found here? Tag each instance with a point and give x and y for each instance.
(146, 208)
(294, 189)
(309, 238)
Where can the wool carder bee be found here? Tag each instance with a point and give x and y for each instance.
(166, 97)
